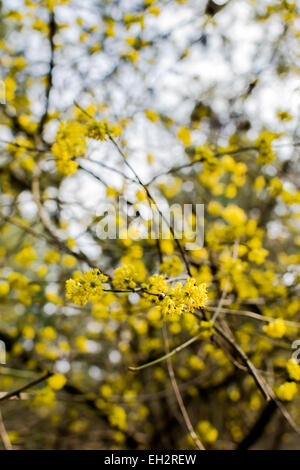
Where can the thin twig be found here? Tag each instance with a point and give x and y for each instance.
(17, 392)
(225, 289)
(166, 356)
(178, 394)
(248, 313)
(4, 436)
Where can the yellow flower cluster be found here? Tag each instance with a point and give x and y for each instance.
(26, 289)
(184, 135)
(26, 256)
(124, 277)
(4, 288)
(275, 329)
(275, 187)
(44, 398)
(70, 143)
(20, 153)
(207, 432)
(151, 115)
(86, 286)
(52, 257)
(287, 391)
(117, 418)
(258, 255)
(130, 19)
(184, 298)
(100, 130)
(234, 215)
(205, 153)
(264, 143)
(284, 116)
(57, 381)
(172, 266)
(293, 369)
(156, 284)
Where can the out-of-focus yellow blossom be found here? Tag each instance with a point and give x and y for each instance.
(276, 328)
(259, 183)
(54, 298)
(130, 19)
(70, 143)
(48, 332)
(234, 215)
(53, 3)
(57, 381)
(264, 144)
(287, 391)
(42, 271)
(152, 115)
(205, 153)
(131, 55)
(10, 88)
(4, 288)
(172, 266)
(82, 343)
(293, 369)
(284, 116)
(214, 208)
(110, 27)
(258, 255)
(106, 390)
(275, 187)
(117, 417)
(52, 257)
(99, 130)
(44, 398)
(196, 363)
(153, 10)
(26, 256)
(184, 135)
(13, 436)
(28, 332)
(71, 243)
(69, 261)
(207, 432)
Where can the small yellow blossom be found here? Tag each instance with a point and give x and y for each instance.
(151, 115)
(264, 144)
(26, 256)
(287, 391)
(117, 418)
(184, 135)
(234, 215)
(293, 369)
(172, 266)
(207, 432)
(4, 288)
(57, 381)
(275, 329)
(124, 277)
(52, 257)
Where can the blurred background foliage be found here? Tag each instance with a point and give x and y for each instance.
(200, 99)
